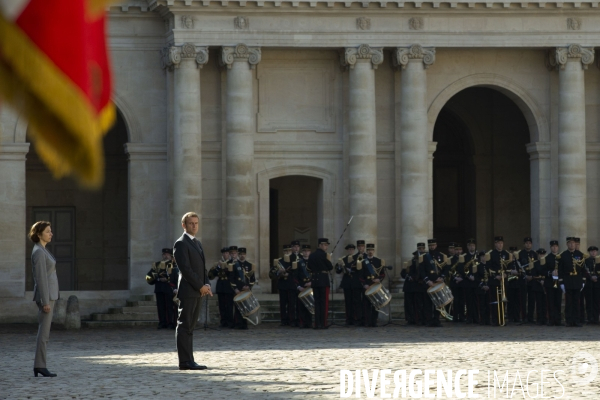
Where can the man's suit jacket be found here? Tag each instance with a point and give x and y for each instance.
(44, 276)
(189, 257)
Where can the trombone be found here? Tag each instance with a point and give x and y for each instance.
(501, 293)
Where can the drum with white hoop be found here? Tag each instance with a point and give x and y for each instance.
(248, 306)
(440, 295)
(308, 299)
(378, 295)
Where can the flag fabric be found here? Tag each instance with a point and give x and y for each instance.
(54, 69)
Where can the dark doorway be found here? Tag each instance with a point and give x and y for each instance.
(293, 211)
(94, 250)
(453, 180)
(481, 170)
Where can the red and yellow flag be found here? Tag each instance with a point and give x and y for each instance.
(54, 68)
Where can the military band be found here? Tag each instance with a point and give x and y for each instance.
(164, 275)
(496, 288)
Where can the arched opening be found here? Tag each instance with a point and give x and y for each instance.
(481, 176)
(294, 210)
(90, 227)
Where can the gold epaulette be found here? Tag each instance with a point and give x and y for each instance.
(359, 265)
(445, 259)
(543, 261)
(382, 262)
(461, 258)
(420, 259)
(251, 267)
(510, 257)
(598, 259)
(586, 255)
(286, 258)
(275, 262)
(515, 254)
(329, 256)
(557, 257)
(295, 265)
(488, 255)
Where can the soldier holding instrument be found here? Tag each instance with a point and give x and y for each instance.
(159, 276)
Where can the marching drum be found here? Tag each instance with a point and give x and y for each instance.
(248, 306)
(441, 296)
(308, 299)
(379, 296)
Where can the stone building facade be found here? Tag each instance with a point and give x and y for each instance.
(278, 120)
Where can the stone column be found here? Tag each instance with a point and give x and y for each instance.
(147, 198)
(571, 61)
(362, 141)
(186, 156)
(431, 147)
(12, 219)
(593, 191)
(541, 194)
(240, 61)
(414, 145)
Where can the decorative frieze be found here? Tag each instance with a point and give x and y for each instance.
(363, 52)
(241, 23)
(403, 55)
(172, 55)
(559, 56)
(241, 52)
(187, 22)
(574, 24)
(415, 23)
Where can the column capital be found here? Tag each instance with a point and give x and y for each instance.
(14, 151)
(240, 52)
(559, 56)
(362, 52)
(402, 55)
(172, 55)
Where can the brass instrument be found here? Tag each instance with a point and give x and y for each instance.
(501, 292)
(555, 270)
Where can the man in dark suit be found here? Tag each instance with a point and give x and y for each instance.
(193, 284)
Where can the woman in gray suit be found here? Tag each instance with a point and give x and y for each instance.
(45, 291)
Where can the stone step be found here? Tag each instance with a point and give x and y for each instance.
(117, 324)
(132, 310)
(141, 303)
(150, 316)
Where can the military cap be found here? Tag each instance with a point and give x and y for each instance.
(360, 242)
(499, 239)
(225, 250)
(458, 245)
(451, 245)
(420, 244)
(432, 241)
(471, 241)
(370, 246)
(167, 251)
(592, 248)
(481, 254)
(350, 246)
(287, 246)
(233, 248)
(541, 251)
(553, 243)
(570, 239)
(242, 250)
(295, 243)
(513, 248)
(577, 240)
(323, 240)
(527, 239)
(306, 247)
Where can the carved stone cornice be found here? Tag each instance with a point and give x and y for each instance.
(363, 52)
(403, 55)
(559, 56)
(172, 55)
(241, 52)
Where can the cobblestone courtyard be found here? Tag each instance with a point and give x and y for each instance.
(270, 362)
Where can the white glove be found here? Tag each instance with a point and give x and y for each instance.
(562, 287)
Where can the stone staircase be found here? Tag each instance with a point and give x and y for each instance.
(141, 311)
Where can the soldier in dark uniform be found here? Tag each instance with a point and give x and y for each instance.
(482, 278)
(413, 289)
(457, 284)
(431, 272)
(594, 270)
(572, 271)
(513, 287)
(537, 286)
(173, 282)
(373, 271)
(295, 250)
(159, 277)
(470, 284)
(344, 266)
(303, 279)
(286, 286)
(224, 290)
(552, 285)
(242, 279)
(320, 265)
(587, 294)
(498, 257)
(527, 295)
(357, 286)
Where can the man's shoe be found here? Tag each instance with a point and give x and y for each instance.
(191, 365)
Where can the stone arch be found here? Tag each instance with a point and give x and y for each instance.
(131, 122)
(535, 117)
(327, 214)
